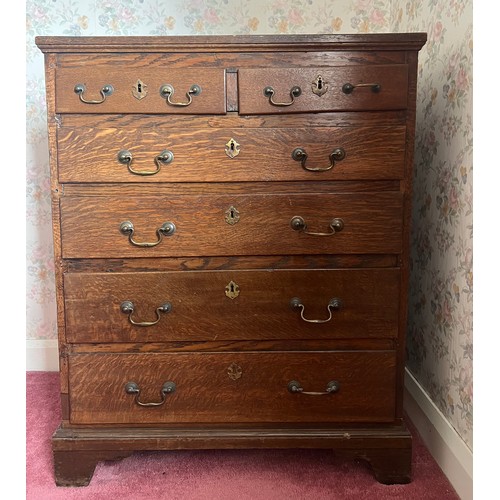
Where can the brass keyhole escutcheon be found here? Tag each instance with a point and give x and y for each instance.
(139, 90)
(319, 86)
(232, 290)
(232, 148)
(234, 371)
(232, 216)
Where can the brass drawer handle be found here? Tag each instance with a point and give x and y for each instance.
(105, 91)
(294, 387)
(294, 92)
(334, 304)
(128, 307)
(348, 88)
(133, 388)
(299, 154)
(164, 158)
(299, 224)
(167, 90)
(167, 229)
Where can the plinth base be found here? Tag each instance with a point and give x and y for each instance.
(77, 451)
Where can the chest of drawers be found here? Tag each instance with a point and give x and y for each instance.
(231, 232)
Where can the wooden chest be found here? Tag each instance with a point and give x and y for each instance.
(231, 226)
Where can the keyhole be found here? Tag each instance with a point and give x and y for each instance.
(320, 83)
(232, 146)
(139, 87)
(232, 287)
(231, 215)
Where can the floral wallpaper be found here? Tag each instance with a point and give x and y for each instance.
(440, 315)
(440, 309)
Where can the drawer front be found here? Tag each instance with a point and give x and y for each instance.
(118, 226)
(337, 153)
(346, 88)
(232, 387)
(232, 305)
(208, 97)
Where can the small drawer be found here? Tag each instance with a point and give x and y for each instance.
(191, 225)
(237, 305)
(157, 89)
(159, 154)
(222, 388)
(342, 88)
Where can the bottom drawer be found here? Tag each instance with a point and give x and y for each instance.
(230, 387)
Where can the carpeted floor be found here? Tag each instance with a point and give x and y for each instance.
(214, 474)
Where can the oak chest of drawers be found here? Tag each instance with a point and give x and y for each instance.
(231, 227)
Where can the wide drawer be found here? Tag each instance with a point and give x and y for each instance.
(232, 387)
(189, 225)
(231, 305)
(192, 91)
(341, 88)
(88, 154)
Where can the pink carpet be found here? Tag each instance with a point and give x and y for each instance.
(214, 475)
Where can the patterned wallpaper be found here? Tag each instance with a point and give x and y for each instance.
(440, 309)
(440, 316)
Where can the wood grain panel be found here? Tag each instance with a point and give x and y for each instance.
(393, 80)
(211, 100)
(202, 311)
(234, 121)
(91, 154)
(90, 225)
(205, 393)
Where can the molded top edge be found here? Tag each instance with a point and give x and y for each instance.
(231, 43)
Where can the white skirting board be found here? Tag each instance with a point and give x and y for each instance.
(441, 439)
(443, 442)
(41, 356)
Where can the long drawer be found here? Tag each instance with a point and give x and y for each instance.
(160, 154)
(231, 305)
(233, 387)
(190, 225)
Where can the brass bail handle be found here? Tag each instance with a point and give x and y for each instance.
(105, 91)
(348, 88)
(167, 229)
(295, 388)
(167, 90)
(299, 224)
(294, 92)
(127, 307)
(333, 305)
(133, 388)
(299, 154)
(164, 158)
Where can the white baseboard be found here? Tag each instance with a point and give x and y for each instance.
(442, 440)
(41, 356)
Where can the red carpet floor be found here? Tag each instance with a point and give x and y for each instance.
(214, 475)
